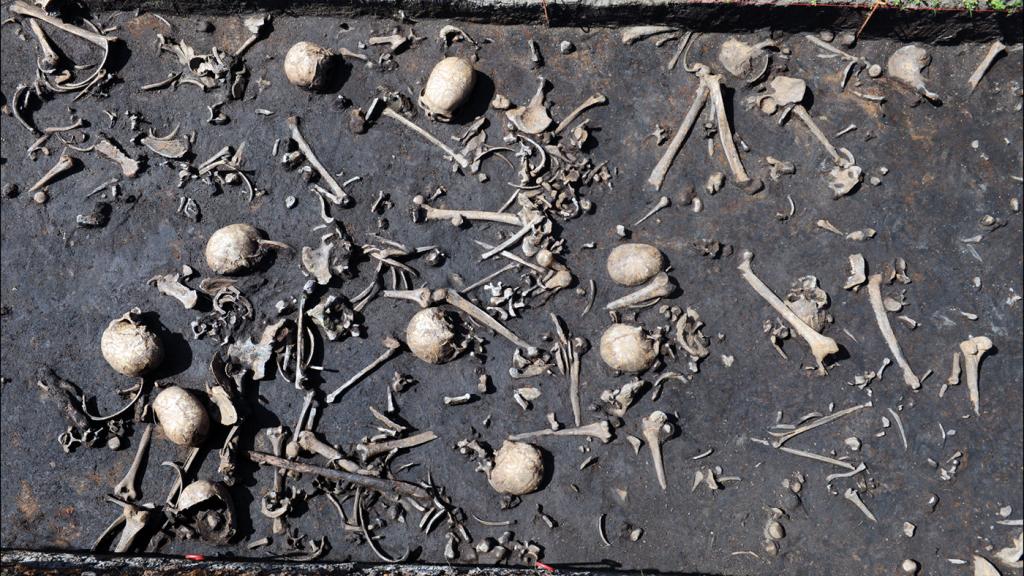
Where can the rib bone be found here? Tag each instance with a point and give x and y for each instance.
(660, 286)
(600, 430)
(821, 346)
(973, 349)
(875, 295)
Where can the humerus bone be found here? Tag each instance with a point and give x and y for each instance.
(821, 346)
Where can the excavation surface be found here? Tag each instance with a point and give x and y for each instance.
(932, 173)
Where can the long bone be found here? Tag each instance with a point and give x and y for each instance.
(714, 84)
(600, 430)
(393, 345)
(595, 100)
(877, 306)
(657, 177)
(127, 488)
(23, 9)
(370, 449)
(660, 286)
(63, 164)
(973, 349)
(657, 429)
(458, 158)
(340, 196)
(457, 217)
(821, 346)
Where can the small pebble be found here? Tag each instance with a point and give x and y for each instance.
(204, 26)
(827, 35)
(847, 39)
(566, 47)
(910, 566)
(874, 70)
(884, 170)
(776, 530)
(115, 443)
(41, 197)
(909, 529)
(875, 181)
(290, 202)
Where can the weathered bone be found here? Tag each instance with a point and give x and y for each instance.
(458, 158)
(457, 217)
(853, 496)
(601, 430)
(453, 298)
(393, 345)
(663, 202)
(595, 100)
(994, 50)
(23, 9)
(875, 295)
(127, 488)
(821, 346)
(659, 287)
(340, 196)
(64, 164)
(370, 449)
(973, 349)
(657, 429)
(714, 84)
(657, 177)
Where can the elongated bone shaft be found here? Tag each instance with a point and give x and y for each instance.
(383, 485)
(24, 9)
(431, 213)
(371, 449)
(782, 439)
(307, 151)
(511, 239)
(657, 177)
(994, 51)
(600, 430)
(660, 286)
(805, 117)
(973, 349)
(821, 346)
(64, 164)
(875, 295)
(453, 298)
(595, 100)
(388, 354)
(127, 488)
(714, 83)
(458, 158)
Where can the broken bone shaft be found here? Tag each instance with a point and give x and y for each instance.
(383, 485)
